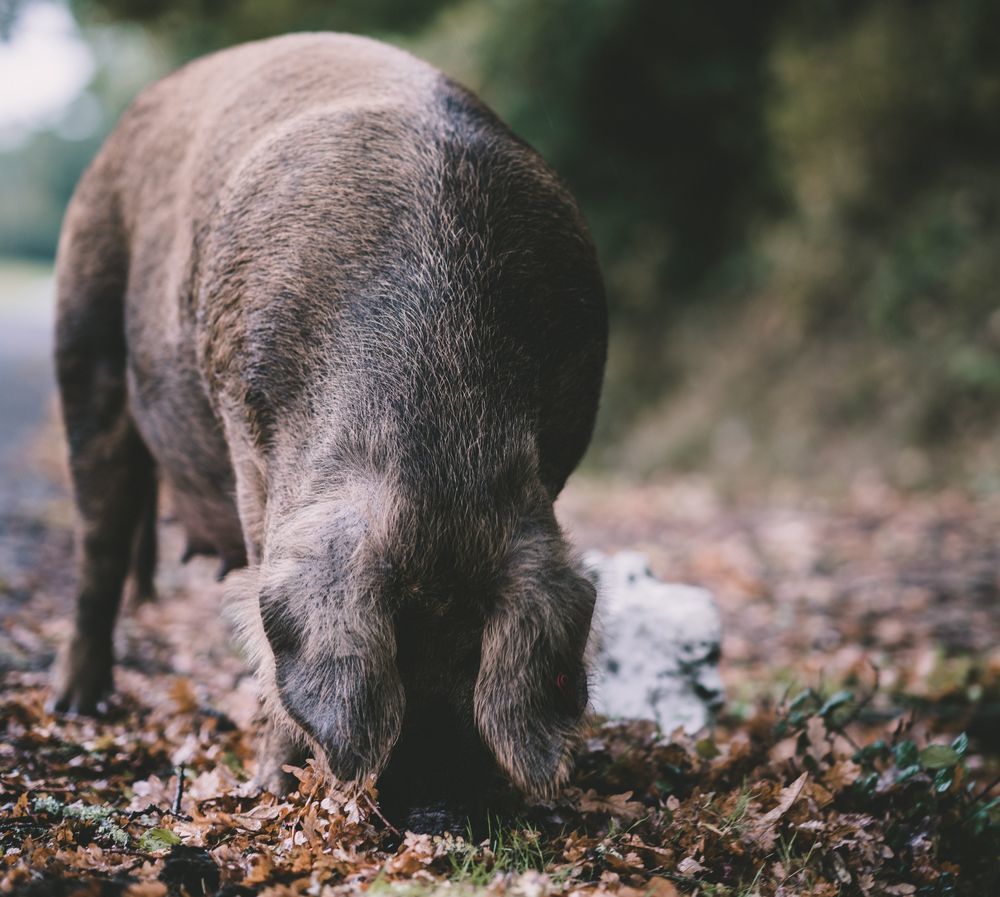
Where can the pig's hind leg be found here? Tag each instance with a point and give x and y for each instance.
(112, 471)
(141, 588)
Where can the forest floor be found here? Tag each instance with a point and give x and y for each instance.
(859, 752)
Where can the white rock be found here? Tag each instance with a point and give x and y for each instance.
(654, 647)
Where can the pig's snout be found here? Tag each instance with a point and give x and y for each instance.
(440, 777)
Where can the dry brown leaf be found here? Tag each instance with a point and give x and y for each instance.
(183, 696)
(416, 852)
(841, 775)
(618, 806)
(659, 886)
(764, 830)
(819, 744)
(146, 889)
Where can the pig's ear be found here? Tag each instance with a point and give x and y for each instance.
(531, 692)
(340, 686)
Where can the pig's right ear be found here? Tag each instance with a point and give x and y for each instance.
(531, 692)
(339, 684)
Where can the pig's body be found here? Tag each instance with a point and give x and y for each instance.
(364, 333)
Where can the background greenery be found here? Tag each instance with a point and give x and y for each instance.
(797, 206)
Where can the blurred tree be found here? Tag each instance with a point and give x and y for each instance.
(655, 113)
(36, 183)
(194, 27)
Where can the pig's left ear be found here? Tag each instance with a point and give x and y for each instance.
(531, 692)
(340, 686)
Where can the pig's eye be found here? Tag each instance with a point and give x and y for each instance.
(562, 682)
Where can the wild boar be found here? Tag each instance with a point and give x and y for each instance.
(358, 328)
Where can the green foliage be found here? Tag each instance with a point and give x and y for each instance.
(509, 847)
(98, 819)
(836, 711)
(35, 186)
(925, 797)
(194, 27)
(158, 839)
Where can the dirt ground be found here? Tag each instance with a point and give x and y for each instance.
(856, 633)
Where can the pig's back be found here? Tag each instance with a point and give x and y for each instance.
(175, 157)
(328, 228)
(184, 136)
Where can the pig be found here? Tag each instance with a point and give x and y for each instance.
(357, 328)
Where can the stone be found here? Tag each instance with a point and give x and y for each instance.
(654, 647)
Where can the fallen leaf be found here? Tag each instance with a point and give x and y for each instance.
(690, 866)
(764, 830)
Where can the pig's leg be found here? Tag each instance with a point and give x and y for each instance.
(112, 471)
(144, 554)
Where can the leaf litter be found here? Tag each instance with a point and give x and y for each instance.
(858, 755)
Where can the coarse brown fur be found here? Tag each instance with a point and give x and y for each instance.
(358, 328)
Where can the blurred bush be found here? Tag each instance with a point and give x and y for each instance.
(797, 206)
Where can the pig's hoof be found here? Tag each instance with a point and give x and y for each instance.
(83, 699)
(271, 777)
(274, 779)
(139, 593)
(276, 751)
(82, 681)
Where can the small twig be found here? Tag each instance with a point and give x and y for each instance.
(151, 809)
(179, 793)
(986, 791)
(378, 812)
(860, 707)
(843, 734)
